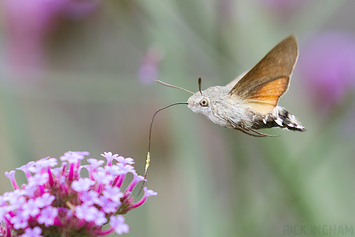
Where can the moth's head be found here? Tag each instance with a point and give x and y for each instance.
(198, 102)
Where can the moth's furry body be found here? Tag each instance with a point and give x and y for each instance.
(232, 113)
(221, 109)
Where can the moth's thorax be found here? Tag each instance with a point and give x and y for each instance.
(220, 106)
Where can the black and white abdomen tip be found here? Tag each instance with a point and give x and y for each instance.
(280, 117)
(286, 120)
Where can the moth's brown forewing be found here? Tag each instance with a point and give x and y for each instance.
(262, 86)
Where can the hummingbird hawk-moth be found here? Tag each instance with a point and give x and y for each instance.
(249, 102)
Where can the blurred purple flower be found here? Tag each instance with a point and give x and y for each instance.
(35, 232)
(149, 70)
(283, 8)
(327, 64)
(27, 24)
(283, 4)
(119, 225)
(65, 204)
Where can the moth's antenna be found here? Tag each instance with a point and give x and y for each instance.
(147, 161)
(172, 86)
(199, 85)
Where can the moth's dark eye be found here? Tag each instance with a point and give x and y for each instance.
(204, 102)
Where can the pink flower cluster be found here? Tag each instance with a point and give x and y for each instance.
(59, 202)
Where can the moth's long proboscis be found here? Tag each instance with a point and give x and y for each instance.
(147, 161)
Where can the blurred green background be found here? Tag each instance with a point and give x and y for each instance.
(78, 75)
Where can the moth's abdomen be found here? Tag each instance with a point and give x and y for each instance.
(279, 118)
